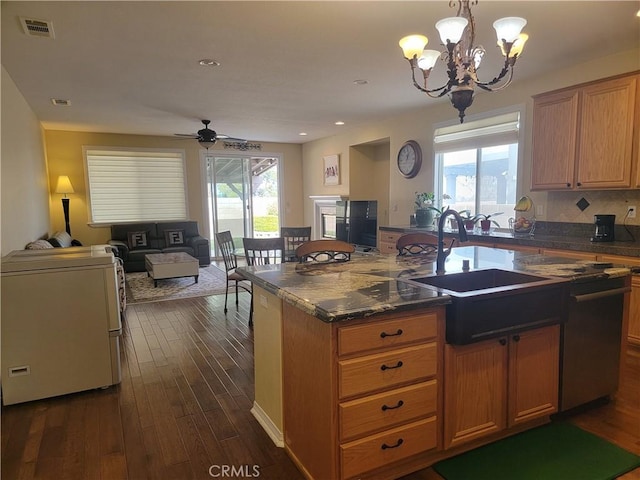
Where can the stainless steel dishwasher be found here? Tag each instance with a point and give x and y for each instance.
(590, 341)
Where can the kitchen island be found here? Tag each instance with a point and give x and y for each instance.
(351, 371)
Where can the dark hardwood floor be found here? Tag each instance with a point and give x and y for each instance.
(183, 408)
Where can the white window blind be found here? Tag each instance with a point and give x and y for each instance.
(488, 132)
(133, 186)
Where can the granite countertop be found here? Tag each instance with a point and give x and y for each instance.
(371, 283)
(577, 240)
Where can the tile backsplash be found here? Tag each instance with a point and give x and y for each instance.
(561, 206)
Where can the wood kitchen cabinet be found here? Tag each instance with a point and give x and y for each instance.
(583, 137)
(634, 311)
(368, 394)
(499, 383)
(387, 242)
(569, 254)
(633, 332)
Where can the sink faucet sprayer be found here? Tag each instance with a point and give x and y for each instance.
(462, 235)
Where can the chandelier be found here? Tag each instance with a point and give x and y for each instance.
(462, 57)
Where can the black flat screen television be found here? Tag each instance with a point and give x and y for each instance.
(357, 223)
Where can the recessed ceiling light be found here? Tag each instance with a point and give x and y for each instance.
(61, 102)
(339, 122)
(303, 134)
(209, 62)
(360, 82)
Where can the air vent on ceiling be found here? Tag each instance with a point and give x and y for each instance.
(37, 28)
(61, 102)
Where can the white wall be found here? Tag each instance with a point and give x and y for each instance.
(25, 187)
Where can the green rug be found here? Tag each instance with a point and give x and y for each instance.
(558, 451)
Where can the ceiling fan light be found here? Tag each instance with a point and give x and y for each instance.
(428, 59)
(207, 143)
(509, 28)
(412, 45)
(451, 29)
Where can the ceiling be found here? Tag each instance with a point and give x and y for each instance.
(285, 67)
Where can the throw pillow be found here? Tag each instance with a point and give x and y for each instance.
(38, 245)
(137, 240)
(174, 237)
(60, 239)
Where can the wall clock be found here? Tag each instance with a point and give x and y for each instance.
(410, 159)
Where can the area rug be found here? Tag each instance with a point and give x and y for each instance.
(557, 451)
(140, 289)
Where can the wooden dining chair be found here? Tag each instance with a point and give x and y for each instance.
(228, 251)
(325, 251)
(262, 251)
(294, 237)
(418, 243)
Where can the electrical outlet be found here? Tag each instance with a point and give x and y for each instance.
(631, 211)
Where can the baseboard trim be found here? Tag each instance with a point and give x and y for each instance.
(267, 424)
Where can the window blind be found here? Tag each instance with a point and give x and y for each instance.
(488, 132)
(133, 186)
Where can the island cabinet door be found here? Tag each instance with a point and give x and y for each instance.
(475, 398)
(534, 358)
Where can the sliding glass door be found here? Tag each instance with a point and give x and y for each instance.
(243, 196)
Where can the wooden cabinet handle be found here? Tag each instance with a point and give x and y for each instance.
(568, 185)
(503, 341)
(516, 338)
(398, 443)
(386, 367)
(385, 334)
(579, 184)
(387, 407)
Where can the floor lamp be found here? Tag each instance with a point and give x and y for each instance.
(64, 186)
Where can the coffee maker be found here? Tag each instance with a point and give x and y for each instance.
(605, 226)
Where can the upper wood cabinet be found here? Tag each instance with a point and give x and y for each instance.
(583, 137)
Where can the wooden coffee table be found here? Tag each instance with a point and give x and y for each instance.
(170, 265)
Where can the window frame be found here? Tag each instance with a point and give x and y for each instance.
(438, 179)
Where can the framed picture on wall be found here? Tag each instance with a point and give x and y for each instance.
(331, 170)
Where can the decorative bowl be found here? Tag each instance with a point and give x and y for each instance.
(522, 225)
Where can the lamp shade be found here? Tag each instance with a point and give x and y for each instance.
(412, 45)
(428, 59)
(451, 29)
(64, 185)
(509, 28)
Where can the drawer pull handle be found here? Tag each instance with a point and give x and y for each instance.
(385, 334)
(386, 367)
(387, 407)
(398, 443)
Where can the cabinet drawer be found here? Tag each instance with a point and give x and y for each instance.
(387, 447)
(390, 237)
(388, 248)
(387, 333)
(385, 410)
(386, 370)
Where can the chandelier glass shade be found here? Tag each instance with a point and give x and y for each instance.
(462, 57)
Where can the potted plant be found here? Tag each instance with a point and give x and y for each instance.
(468, 220)
(426, 210)
(485, 221)
(424, 206)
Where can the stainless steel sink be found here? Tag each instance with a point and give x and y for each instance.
(494, 303)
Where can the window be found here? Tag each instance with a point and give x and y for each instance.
(134, 186)
(477, 164)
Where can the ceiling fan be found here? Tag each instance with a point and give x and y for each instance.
(207, 137)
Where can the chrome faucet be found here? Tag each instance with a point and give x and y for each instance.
(462, 235)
